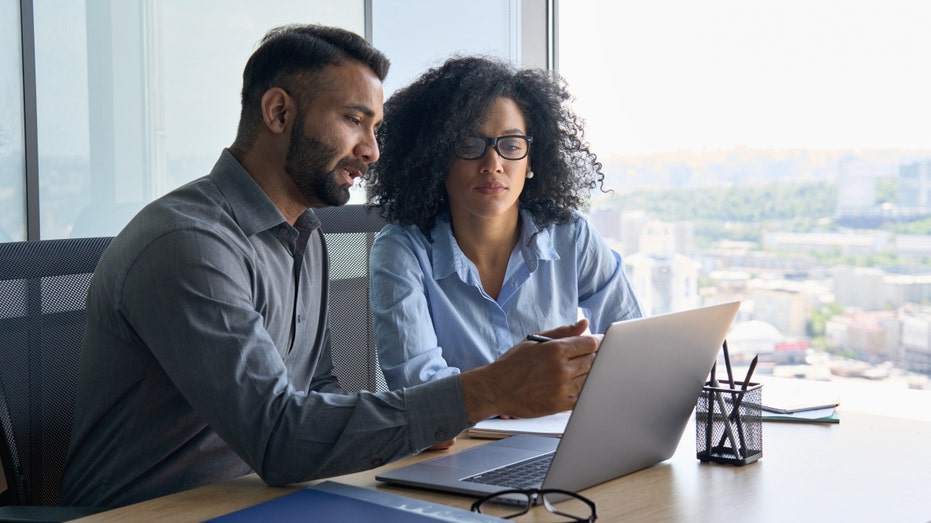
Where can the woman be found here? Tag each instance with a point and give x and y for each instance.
(481, 172)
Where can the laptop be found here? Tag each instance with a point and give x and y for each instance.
(630, 415)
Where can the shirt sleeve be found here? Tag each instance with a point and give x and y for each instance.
(605, 293)
(190, 300)
(408, 349)
(325, 379)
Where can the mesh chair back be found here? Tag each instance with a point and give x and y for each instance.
(43, 289)
(349, 232)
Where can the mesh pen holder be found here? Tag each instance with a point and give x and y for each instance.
(729, 424)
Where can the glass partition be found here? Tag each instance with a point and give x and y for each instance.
(12, 150)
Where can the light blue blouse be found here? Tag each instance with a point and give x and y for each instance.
(433, 319)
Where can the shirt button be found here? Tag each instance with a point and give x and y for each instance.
(440, 435)
(283, 233)
(377, 462)
(300, 318)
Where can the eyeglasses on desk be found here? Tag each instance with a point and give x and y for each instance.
(510, 504)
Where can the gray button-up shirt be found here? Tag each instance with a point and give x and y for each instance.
(207, 357)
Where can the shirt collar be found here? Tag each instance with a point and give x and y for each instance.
(536, 244)
(252, 208)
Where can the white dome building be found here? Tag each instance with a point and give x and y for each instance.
(750, 338)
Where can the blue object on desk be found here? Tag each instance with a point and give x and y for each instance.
(331, 501)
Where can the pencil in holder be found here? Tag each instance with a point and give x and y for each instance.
(729, 424)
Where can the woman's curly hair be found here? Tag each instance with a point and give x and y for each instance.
(425, 119)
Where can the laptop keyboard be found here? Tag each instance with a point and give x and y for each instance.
(523, 474)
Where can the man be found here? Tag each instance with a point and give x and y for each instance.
(207, 353)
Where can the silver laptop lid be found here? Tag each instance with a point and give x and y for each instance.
(639, 395)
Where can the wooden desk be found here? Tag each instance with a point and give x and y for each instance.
(870, 467)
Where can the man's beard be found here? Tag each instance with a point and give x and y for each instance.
(307, 164)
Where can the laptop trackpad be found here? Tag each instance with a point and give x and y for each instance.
(475, 460)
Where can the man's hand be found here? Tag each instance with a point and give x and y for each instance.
(443, 445)
(532, 379)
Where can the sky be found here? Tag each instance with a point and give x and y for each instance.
(662, 76)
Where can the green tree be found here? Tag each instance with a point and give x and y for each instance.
(887, 190)
(819, 319)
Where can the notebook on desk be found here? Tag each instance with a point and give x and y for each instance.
(631, 412)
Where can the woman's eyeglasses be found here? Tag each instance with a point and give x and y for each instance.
(513, 147)
(509, 504)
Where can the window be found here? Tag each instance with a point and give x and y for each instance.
(775, 152)
(148, 102)
(12, 151)
(136, 98)
(419, 34)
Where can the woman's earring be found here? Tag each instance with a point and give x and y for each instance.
(529, 174)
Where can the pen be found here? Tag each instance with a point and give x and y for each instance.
(728, 430)
(727, 365)
(537, 337)
(735, 412)
(709, 428)
(740, 399)
(750, 372)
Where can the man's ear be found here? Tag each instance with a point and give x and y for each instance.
(277, 108)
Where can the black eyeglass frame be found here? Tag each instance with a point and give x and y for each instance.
(533, 495)
(493, 142)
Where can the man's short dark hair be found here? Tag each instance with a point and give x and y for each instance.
(292, 50)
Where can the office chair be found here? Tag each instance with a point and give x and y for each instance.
(43, 289)
(349, 232)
